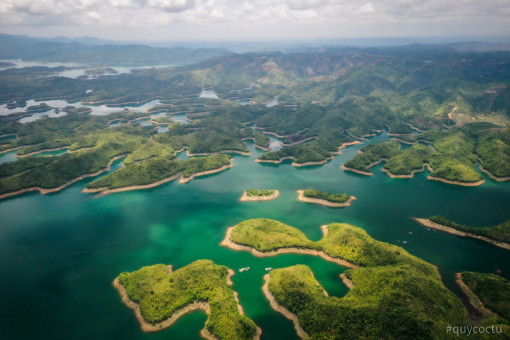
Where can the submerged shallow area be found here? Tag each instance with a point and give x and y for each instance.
(60, 252)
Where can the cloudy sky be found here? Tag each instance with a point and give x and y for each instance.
(256, 20)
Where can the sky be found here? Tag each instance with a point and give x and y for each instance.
(258, 20)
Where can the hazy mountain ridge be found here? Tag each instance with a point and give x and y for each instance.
(26, 48)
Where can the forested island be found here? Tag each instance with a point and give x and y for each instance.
(497, 235)
(259, 195)
(159, 296)
(325, 198)
(396, 293)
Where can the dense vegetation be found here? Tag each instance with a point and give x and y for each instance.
(373, 153)
(499, 233)
(452, 155)
(150, 156)
(153, 170)
(52, 172)
(335, 198)
(160, 294)
(258, 192)
(325, 100)
(493, 291)
(397, 294)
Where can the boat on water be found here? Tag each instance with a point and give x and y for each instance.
(269, 269)
(245, 269)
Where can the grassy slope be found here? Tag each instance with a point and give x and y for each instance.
(160, 294)
(395, 293)
(500, 232)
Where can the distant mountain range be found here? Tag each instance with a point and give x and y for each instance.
(93, 51)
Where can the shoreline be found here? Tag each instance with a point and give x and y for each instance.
(43, 191)
(303, 198)
(246, 198)
(242, 153)
(178, 313)
(105, 191)
(428, 223)
(294, 161)
(263, 148)
(43, 150)
(344, 168)
(347, 281)
(413, 172)
(282, 310)
(474, 301)
(227, 242)
(344, 145)
(465, 184)
(361, 172)
(208, 172)
(491, 175)
(300, 142)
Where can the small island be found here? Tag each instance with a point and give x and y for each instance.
(498, 235)
(160, 296)
(489, 295)
(388, 286)
(324, 198)
(259, 195)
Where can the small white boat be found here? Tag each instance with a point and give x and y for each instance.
(269, 269)
(245, 269)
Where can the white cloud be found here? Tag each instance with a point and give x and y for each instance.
(295, 18)
(366, 9)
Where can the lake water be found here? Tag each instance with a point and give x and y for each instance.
(98, 110)
(59, 253)
(78, 70)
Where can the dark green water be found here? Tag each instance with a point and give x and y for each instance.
(59, 253)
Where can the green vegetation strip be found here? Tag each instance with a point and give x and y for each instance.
(498, 235)
(259, 195)
(396, 293)
(157, 295)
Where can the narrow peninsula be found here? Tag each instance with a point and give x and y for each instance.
(498, 235)
(324, 198)
(159, 297)
(259, 195)
(398, 293)
(153, 172)
(489, 295)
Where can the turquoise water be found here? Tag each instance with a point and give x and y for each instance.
(59, 253)
(8, 157)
